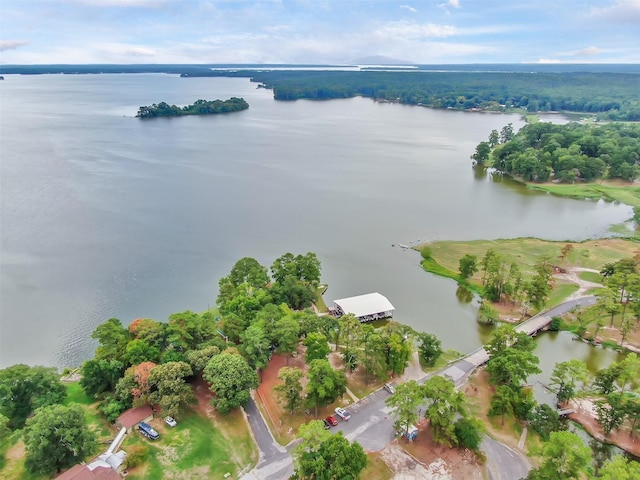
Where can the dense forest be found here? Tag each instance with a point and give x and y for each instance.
(609, 91)
(200, 107)
(568, 153)
(612, 96)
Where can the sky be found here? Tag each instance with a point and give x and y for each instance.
(318, 31)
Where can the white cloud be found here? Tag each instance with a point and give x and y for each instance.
(454, 3)
(409, 8)
(548, 60)
(407, 30)
(623, 11)
(586, 52)
(121, 3)
(11, 44)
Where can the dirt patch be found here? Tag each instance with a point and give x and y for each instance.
(479, 393)
(281, 422)
(585, 415)
(16, 452)
(439, 462)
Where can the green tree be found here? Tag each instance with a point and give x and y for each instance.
(198, 359)
(311, 436)
(150, 331)
(171, 391)
(545, 420)
(24, 389)
(113, 339)
(512, 367)
(539, 287)
(336, 458)
(57, 437)
(629, 371)
(247, 270)
(565, 456)
(99, 376)
(399, 348)
(445, 404)
(469, 433)
(502, 402)
(233, 326)
(487, 315)
(565, 375)
(325, 384)
(611, 412)
(231, 378)
(620, 468)
(494, 138)
(293, 292)
(481, 155)
(189, 331)
(290, 390)
(317, 347)
(605, 379)
(4, 426)
(286, 334)
(373, 353)
(405, 403)
(430, 348)
(506, 134)
(255, 346)
(139, 351)
(305, 268)
(468, 266)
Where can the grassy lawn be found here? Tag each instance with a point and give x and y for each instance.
(376, 468)
(196, 448)
(525, 252)
(560, 292)
(319, 301)
(75, 394)
(447, 357)
(590, 277)
(627, 194)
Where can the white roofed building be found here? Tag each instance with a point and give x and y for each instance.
(367, 308)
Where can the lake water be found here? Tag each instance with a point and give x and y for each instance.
(105, 215)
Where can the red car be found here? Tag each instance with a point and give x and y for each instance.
(332, 420)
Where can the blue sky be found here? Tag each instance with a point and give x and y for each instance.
(317, 31)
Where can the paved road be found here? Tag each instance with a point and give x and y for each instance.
(372, 426)
(274, 462)
(503, 463)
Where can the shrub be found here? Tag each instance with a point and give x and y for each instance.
(136, 454)
(426, 252)
(555, 324)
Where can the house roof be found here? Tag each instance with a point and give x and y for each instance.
(134, 416)
(83, 472)
(362, 305)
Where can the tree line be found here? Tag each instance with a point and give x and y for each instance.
(569, 153)
(612, 96)
(199, 107)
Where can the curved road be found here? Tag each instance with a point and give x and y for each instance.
(372, 426)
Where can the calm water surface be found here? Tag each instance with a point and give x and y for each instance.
(105, 215)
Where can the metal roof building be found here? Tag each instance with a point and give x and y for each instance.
(371, 306)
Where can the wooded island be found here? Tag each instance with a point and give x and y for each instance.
(200, 107)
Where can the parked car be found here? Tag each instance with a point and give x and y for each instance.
(148, 431)
(389, 388)
(343, 414)
(170, 421)
(332, 420)
(327, 425)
